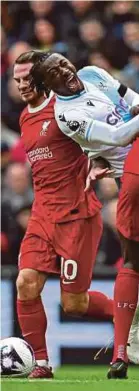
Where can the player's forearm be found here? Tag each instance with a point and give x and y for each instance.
(131, 97)
(110, 135)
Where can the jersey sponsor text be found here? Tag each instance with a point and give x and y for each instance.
(39, 154)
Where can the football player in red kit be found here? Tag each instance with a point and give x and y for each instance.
(65, 225)
(127, 282)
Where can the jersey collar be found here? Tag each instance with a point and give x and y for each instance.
(65, 98)
(44, 104)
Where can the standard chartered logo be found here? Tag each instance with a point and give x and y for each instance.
(40, 154)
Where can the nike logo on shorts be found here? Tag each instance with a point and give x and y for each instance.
(68, 282)
(27, 334)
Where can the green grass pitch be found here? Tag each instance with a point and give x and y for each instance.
(76, 379)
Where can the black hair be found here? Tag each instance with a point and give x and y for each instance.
(32, 56)
(37, 72)
(36, 57)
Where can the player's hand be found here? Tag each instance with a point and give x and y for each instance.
(96, 173)
(134, 110)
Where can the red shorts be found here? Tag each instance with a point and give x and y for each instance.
(128, 207)
(66, 248)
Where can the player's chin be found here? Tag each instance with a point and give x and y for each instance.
(73, 89)
(27, 98)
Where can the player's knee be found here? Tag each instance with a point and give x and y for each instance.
(28, 286)
(130, 253)
(75, 305)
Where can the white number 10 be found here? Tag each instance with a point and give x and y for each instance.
(64, 268)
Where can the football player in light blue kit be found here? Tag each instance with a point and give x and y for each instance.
(100, 109)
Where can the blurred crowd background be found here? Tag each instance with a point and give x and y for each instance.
(101, 33)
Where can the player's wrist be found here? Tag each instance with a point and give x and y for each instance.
(100, 162)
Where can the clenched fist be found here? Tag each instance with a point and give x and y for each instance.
(134, 110)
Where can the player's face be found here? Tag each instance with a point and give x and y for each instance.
(60, 75)
(22, 78)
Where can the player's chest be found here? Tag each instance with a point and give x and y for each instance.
(39, 131)
(98, 105)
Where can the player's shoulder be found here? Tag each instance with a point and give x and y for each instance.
(94, 74)
(92, 69)
(65, 104)
(23, 116)
(63, 111)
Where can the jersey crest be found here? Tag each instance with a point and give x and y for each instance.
(44, 128)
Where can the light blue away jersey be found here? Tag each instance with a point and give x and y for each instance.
(99, 101)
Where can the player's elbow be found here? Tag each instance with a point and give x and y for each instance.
(119, 141)
(122, 143)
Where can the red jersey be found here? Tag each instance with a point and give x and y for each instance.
(132, 160)
(59, 167)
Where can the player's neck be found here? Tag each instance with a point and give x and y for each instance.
(37, 102)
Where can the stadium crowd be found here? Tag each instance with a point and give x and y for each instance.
(101, 33)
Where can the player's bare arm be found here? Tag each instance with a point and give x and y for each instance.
(99, 168)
